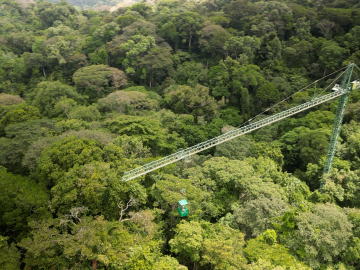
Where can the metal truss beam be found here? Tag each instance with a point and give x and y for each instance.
(229, 135)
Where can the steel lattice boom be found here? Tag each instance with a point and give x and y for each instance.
(231, 135)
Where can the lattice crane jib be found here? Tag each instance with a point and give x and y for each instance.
(339, 91)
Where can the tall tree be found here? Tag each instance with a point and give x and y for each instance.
(136, 48)
(243, 45)
(9, 255)
(213, 39)
(325, 27)
(157, 64)
(194, 100)
(322, 234)
(216, 245)
(331, 55)
(22, 200)
(98, 80)
(189, 25)
(76, 240)
(149, 131)
(48, 94)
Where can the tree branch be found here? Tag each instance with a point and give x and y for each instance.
(122, 209)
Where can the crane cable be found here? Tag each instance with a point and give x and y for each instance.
(298, 92)
(331, 83)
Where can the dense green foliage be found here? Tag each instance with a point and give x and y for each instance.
(92, 4)
(86, 96)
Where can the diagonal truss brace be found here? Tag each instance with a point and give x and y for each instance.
(229, 135)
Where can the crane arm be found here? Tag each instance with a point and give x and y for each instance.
(230, 135)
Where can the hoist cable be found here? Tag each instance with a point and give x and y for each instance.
(296, 93)
(331, 83)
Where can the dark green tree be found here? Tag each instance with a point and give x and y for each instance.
(49, 94)
(97, 81)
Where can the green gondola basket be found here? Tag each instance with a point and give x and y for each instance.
(182, 208)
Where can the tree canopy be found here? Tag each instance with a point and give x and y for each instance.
(92, 89)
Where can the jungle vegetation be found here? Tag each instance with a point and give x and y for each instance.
(86, 96)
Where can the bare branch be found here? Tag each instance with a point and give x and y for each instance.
(325, 27)
(75, 211)
(131, 202)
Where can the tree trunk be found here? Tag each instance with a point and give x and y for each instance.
(94, 264)
(44, 72)
(150, 79)
(190, 37)
(176, 45)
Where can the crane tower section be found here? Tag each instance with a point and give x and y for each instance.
(347, 86)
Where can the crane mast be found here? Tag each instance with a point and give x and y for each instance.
(345, 84)
(341, 92)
